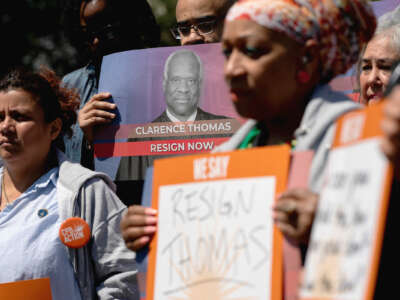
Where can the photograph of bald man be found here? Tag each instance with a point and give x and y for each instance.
(182, 82)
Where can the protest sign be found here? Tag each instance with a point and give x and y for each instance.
(152, 96)
(300, 164)
(216, 238)
(343, 254)
(36, 289)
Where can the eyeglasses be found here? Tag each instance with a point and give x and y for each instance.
(201, 28)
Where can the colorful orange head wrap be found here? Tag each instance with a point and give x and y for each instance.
(340, 27)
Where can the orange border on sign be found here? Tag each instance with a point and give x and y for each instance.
(36, 289)
(379, 233)
(372, 128)
(372, 124)
(255, 162)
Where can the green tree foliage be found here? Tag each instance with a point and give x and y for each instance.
(33, 33)
(164, 10)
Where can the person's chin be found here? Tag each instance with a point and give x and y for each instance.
(247, 112)
(183, 109)
(374, 101)
(9, 155)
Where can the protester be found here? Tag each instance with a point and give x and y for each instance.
(200, 21)
(41, 190)
(106, 26)
(376, 63)
(279, 57)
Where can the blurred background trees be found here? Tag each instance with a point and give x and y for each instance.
(32, 33)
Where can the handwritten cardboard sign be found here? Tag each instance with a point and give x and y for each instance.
(36, 289)
(216, 238)
(343, 254)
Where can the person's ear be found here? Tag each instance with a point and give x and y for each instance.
(311, 55)
(309, 61)
(55, 128)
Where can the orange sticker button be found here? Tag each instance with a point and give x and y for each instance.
(74, 232)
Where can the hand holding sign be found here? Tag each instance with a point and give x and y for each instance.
(138, 226)
(95, 112)
(294, 213)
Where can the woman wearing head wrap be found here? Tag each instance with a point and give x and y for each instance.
(279, 56)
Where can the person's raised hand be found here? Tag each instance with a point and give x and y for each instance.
(138, 226)
(391, 129)
(95, 112)
(294, 213)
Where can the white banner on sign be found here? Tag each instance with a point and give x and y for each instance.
(340, 252)
(207, 232)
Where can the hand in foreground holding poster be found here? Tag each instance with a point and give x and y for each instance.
(343, 255)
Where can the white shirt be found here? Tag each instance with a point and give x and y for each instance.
(190, 119)
(29, 244)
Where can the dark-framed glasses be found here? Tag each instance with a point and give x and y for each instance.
(201, 28)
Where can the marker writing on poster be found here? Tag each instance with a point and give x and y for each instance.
(215, 252)
(353, 235)
(209, 203)
(342, 283)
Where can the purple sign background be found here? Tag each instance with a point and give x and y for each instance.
(134, 79)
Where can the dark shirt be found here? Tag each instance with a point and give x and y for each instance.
(85, 81)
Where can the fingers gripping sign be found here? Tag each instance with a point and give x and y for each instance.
(96, 111)
(294, 213)
(138, 226)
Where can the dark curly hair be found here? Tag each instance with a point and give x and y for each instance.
(45, 86)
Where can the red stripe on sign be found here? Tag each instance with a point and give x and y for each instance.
(165, 147)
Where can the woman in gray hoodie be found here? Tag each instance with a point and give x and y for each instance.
(42, 194)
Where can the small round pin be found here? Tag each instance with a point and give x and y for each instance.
(42, 213)
(74, 232)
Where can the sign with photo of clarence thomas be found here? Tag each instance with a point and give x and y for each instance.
(171, 101)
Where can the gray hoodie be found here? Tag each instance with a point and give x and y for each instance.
(104, 268)
(316, 130)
